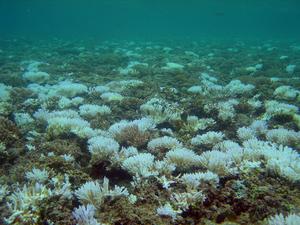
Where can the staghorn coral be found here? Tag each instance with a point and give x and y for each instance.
(167, 210)
(94, 194)
(291, 219)
(85, 215)
(241, 180)
(24, 202)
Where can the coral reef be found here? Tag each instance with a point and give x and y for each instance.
(149, 133)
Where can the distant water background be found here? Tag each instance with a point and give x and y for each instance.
(150, 19)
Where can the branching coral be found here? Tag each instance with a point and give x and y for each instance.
(94, 194)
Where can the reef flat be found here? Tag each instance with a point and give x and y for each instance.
(136, 132)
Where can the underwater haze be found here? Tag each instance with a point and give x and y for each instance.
(136, 112)
(150, 19)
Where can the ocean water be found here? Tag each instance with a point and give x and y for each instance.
(134, 19)
(149, 112)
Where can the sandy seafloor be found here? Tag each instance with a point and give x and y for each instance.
(190, 132)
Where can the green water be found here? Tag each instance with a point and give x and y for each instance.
(139, 112)
(136, 19)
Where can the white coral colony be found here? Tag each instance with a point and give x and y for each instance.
(161, 132)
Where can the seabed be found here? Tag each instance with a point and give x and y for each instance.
(136, 132)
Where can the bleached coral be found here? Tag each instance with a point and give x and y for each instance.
(33, 73)
(259, 127)
(63, 88)
(254, 103)
(102, 148)
(32, 65)
(123, 154)
(68, 89)
(78, 126)
(286, 92)
(291, 219)
(23, 119)
(41, 91)
(111, 96)
(208, 77)
(129, 151)
(290, 68)
(245, 133)
(165, 157)
(61, 186)
(280, 160)
(43, 114)
(92, 110)
(119, 86)
(92, 193)
(227, 145)
(84, 215)
(68, 158)
(171, 66)
(195, 89)
(236, 87)
(284, 162)
(209, 85)
(101, 89)
(254, 149)
(37, 175)
(143, 125)
(283, 136)
(66, 121)
(218, 162)
(131, 68)
(246, 166)
(225, 109)
(183, 158)
(141, 165)
(23, 203)
(167, 210)
(65, 102)
(208, 139)
(184, 200)
(36, 76)
(160, 110)
(193, 180)
(165, 182)
(195, 124)
(164, 167)
(163, 143)
(274, 108)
